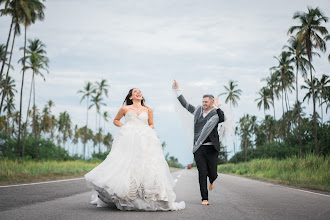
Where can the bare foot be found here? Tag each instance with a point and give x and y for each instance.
(211, 186)
(205, 202)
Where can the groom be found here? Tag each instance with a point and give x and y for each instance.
(206, 138)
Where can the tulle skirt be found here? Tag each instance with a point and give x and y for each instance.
(135, 174)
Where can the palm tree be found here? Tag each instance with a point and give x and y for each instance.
(7, 11)
(76, 137)
(96, 102)
(298, 51)
(30, 12)
(105, 119)
(309, 32)
(37, 61)
(99, 138)
(321, 88)
(245, 130)
(88, 91)
(232, 93)
(107, 141)
(272, 83)
(65, 127)
(8, 90)
(102, 87)
(86, 135)
(284, 74)
(253, 127)
(264, 99)
(11, 9)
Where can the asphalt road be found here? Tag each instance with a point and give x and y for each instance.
(232, 198)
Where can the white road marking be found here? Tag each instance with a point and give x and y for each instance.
(179, 176)
(289, 187)
(54, 181)
(176, 180)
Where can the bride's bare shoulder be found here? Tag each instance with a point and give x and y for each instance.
(123, 109)
(148, 109)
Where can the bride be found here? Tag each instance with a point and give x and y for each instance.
(135, 174)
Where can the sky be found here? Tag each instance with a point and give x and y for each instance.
(147, 44)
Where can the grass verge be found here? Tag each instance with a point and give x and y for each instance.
(12, 173)
(30, 171)
(310, 172)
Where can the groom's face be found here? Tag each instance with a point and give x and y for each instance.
(207, 103)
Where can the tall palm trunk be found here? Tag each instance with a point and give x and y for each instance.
(34, 119)
(274, 106)
(26, 121)
(6, 50)
(314, 112)
(6, 81)
(283, 121)
(85, 141)
(299, 126)
(245, 147)
(100, 131)
(21, 97)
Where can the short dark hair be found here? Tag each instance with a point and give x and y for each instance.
(208, 96)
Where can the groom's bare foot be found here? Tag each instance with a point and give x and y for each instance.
(205, 202)
(211, 186)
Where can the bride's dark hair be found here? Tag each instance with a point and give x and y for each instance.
(127, 101)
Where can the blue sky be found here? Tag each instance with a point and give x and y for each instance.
(147, 44)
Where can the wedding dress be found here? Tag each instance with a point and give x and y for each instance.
(135, 174)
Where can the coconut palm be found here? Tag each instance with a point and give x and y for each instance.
(9, 9)
(64, 127)
(107, 140)
(272, 83)
(264, 99)
(99, 138)
(8, 90)
(96, 101)
(4, 59)
(310, 32)
(327, 38)
(322, 87)
(298, 51)
(14, 11)
(87, 92)
(30, 12)
(245, 131)
(76, 137)
(253, 124)
(232, 93)
(86, 135)
(269, 123)
(284, 74)
(9, 108)
(309, 86)
(102, 88)
(36, 62)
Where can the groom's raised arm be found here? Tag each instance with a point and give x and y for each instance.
(181, 99)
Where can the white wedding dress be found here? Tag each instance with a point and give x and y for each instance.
(135, 174)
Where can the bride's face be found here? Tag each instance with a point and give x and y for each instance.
(136, 95)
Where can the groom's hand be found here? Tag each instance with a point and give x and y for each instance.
(216, 102)
(175, 85)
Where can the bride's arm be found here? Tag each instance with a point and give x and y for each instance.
(120, 114)
(150, 118)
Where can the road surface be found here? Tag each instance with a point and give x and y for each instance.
(232, 198)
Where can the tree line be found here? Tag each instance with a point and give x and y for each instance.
(293, 133)
(38, 126)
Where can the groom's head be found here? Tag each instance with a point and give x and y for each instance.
(208, 101)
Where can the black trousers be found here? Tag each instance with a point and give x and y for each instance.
(206, 158)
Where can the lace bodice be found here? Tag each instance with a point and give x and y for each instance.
(133, 117)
